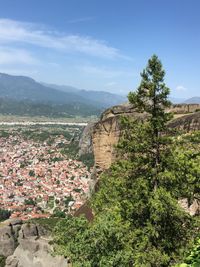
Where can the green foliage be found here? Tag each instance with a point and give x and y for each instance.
(59, 213)
(29, 201)
(138, 221)
(87, 159)
(28, 108)
(78, 190)
(67, 200)
(193, 259)
(71, 150)
(98, 244)
(47, 223)
(55, 159)
(4, 134)
(36, 136)
(159, 230)
(4, 214)
(152, 94)
(51, 202)
(19, 182)
(2, 261)
(31, 173)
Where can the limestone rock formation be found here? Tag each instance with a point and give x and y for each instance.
(193, 208)
(185, 108)
(106, 134)
(33, 252)
(27, 245)
(189, 122)
(85, 143)
(8, 236)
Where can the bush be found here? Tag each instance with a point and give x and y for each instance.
(2, 261)
(4, 214)
(29, 201)
(59, 213)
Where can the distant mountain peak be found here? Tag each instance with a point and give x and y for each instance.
(193, 100)
(5, 75)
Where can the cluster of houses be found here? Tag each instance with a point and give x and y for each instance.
(36, 179)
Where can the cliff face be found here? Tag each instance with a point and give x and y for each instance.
(185, 108)
(105, 136)
(27, 245)
(190, 122)
(85, 143)
(8, 236)
(106, 132)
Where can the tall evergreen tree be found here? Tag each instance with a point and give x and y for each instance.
(152, 97)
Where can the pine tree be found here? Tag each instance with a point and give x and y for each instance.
(152, 97)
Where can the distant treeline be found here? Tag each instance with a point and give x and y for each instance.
(27, 108)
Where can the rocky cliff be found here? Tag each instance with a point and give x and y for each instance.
(185, 108)
(106, 132)
(27, 245)
(189, 122)
(85, 143)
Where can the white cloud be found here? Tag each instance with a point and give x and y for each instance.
(16, 56)
(26, 33)
(181, 88)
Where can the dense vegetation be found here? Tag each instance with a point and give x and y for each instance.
(47, 223)
(4, 214)
(87, 159)
(28, 108)
(138, 221)
(2, 261)
(193, 257)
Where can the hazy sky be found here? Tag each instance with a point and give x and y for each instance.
(101, 44)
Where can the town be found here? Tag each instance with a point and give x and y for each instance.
(38, 180)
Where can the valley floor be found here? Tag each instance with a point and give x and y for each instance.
(38, 175)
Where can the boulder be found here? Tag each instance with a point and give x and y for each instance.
(28, 230)
(192, 209)
(8, 236)
(33, 252)
(7, 241)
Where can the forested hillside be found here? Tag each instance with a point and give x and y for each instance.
(28, 108)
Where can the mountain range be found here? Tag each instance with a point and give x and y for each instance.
(193, 100)
(20, 95)
(99, 98)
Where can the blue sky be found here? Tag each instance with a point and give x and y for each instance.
(101, 44)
